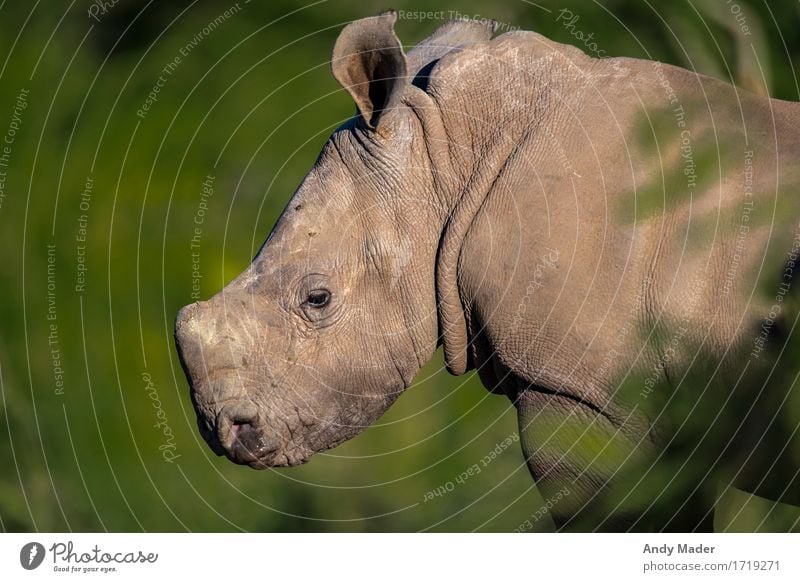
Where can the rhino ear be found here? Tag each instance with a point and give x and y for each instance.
(369, 62)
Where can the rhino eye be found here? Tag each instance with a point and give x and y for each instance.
(318, 298)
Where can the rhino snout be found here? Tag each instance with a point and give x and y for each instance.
(209, 338)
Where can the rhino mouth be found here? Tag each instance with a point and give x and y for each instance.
(239, 433)
(249, 444)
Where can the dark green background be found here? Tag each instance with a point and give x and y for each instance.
(251, 105)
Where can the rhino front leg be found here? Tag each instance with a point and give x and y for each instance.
(597, 473)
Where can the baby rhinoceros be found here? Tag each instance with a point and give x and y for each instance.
(610, 243)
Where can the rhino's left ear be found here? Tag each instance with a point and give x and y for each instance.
(369, 62)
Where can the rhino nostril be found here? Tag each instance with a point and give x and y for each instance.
(244, 432)
(236, 427)
(241, 435)
(241, 430)
(244, 416)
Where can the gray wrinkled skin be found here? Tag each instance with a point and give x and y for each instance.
(532, 210)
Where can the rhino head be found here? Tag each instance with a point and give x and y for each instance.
(338, 310)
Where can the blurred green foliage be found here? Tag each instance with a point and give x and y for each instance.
(250, 103)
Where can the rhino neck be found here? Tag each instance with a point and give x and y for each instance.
(470, 200)
(461, 196)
